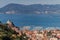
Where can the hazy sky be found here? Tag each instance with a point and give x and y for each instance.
(28, 2)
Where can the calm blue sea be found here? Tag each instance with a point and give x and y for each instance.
(31, 19)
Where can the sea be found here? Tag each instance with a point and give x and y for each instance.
(41, 20)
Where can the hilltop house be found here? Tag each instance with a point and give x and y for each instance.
(10, 23)
(12, 26)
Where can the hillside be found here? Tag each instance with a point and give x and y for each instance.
(30, 9)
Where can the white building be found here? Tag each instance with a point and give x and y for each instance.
(10, 23)
(53, 38)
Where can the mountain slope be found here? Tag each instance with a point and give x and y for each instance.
(29, 9)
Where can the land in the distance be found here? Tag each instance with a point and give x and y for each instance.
(30, 9)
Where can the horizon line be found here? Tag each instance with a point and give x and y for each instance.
(28, 4)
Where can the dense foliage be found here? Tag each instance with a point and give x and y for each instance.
(9, 34)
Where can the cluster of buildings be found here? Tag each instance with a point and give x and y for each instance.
(36, 34)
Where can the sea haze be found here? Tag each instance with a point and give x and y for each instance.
(45, 20)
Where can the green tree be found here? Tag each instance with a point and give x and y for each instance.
(23, 37)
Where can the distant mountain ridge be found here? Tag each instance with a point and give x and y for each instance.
(30, 9)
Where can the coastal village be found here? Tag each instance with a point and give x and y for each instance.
(9, 31)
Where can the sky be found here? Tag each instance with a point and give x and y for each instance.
(28, 2)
